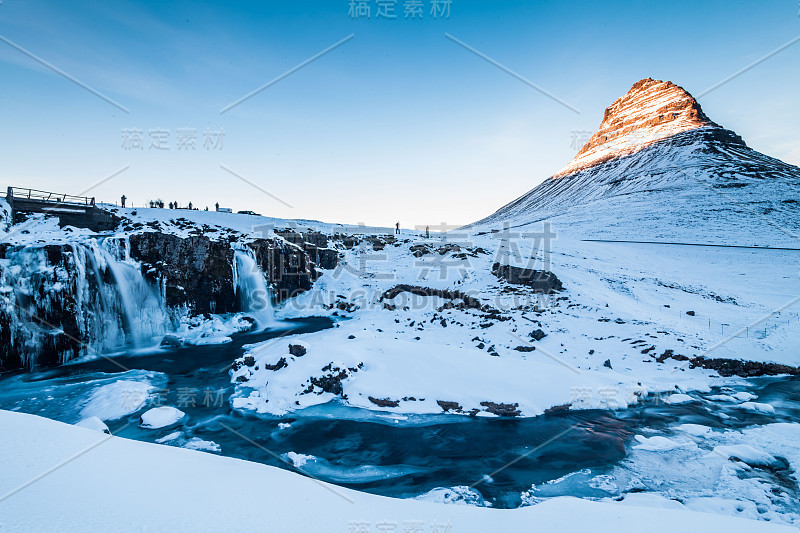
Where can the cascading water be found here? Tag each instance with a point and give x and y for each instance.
(59, 302)
(251, 288)
(143, 308)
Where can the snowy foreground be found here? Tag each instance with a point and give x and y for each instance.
(58, 477)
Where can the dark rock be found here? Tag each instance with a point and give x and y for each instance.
(448, 406)
(525, 348)
(249, 360)
(385, 402)
(332, 381)
(277, 366)
(469, 301)
(557, 409)
(690, 313)
(418, 250)
(351, 337)
(607, 364)
(170, 341)
(297, 350)
(537, 334)
(540, 280)
(733, 367)
(502, 409)
(196, 270)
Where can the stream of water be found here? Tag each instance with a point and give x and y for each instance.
(501, 458)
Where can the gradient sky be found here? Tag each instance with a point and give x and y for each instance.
(397, 123)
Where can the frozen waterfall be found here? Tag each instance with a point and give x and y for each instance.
(252, 289)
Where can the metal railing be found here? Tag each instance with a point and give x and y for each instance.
(46, 196)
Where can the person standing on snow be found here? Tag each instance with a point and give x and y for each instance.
(397, 229)
(123, 200)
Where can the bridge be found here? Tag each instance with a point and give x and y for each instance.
(77, 211)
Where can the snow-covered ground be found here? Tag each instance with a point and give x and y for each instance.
(623, 307)
(717, 278)
(625, 304)
(58, 477)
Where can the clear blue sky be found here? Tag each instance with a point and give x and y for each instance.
(397, 123)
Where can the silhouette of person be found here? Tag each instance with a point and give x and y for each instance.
(170, 205)
(216, 206)
(427, 232)
(123, 200)
(397, 229)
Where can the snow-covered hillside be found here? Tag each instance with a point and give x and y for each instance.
(659, 170)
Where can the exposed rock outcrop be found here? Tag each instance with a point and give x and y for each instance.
(196, 270)
(650, 111)
(539, 280)
(467, 301)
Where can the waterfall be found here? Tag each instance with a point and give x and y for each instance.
(143, 308)
(251, 288)
(59, 302)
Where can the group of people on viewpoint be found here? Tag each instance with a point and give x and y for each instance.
(174, 205)
(159, 204)
(427, 230)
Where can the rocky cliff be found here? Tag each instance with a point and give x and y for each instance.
(651, 110)
(62, 301)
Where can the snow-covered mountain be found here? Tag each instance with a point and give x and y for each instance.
(659, 169)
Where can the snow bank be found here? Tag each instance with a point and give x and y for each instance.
(117, 471)
(159, 417)
(196, 443)
(740, 473)
(764, 408)
(745, 453)
(95, 424)
(656, 444)
(460, 495)
(389, 374)
(678, 399)
(116, 400)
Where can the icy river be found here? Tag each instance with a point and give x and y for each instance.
(733, 449)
